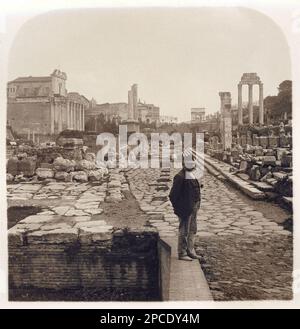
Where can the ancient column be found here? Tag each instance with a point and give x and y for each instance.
(240, 104)
(72, 116)
(51, 118)
(68, 107)
(130, 105)
(226, 123)
(80, 113)
(77, 116)
(79, 121)
(60, 118)
(82, 118)
(261, 104)
(250, 103)
(134, 100)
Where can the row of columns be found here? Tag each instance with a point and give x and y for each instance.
(75, 116)
(250, 103)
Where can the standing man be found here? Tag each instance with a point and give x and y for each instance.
(185, 197)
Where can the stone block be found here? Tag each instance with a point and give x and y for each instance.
(9, 178)
(280, 152)
(263, 141)
(27, 166)
(243, 165)
(287, 161)
(259, 152)
(243, 140)
(85, 165)
(61, 175)
(95, 175)
(46, 165)
(80, 176)
(249, 140)
(12, 166)
(270, 152)
(61, 164)
(283, 141)
(16, 236)
(255, 173)
(56, 236)
(95, 234)
(44, 173)
(34, 219)
(255, 139)
(70, 142)
(92, 223)
(269, 160)
(90, 157)
(273, 141)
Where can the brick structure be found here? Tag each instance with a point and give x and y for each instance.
(42, 106)
(126, 260)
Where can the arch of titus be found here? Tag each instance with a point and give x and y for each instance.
(250, 79)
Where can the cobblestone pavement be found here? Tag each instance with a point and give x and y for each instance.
(247, 255)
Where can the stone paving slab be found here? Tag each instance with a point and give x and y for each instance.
(187, 280)
(244, 186)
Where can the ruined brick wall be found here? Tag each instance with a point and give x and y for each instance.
(129, 261)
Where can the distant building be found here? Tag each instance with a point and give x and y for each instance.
(168, 119)
(148, 113)
(42, 105)
(109, 111)
(197, 114)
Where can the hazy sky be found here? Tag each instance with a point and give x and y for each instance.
(180, 58)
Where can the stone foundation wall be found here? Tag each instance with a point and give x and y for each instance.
(128, 260)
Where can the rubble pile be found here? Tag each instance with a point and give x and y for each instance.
(66, 162)
(264, 160)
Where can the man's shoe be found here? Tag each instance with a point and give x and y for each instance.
(195, 256)
(187, 258)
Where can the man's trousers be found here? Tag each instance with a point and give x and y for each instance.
(187, 232)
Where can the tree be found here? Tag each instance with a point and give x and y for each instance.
(279, 107)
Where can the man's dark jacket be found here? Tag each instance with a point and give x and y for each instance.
(182, 194)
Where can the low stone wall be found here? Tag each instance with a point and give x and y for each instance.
(164, 256)
(124, 259)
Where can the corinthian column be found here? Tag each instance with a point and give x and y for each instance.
(261, 104)
(240, 104)
(250, 103)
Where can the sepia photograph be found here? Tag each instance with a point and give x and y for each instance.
(149, 156)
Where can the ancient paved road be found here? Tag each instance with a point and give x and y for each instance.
(247, 255)
(223, 212)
